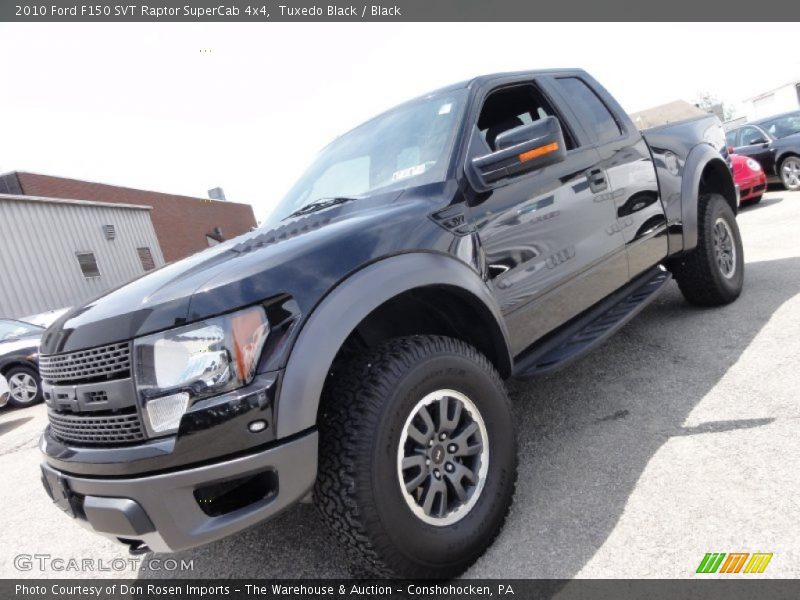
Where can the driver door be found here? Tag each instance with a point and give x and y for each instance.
(550, 238)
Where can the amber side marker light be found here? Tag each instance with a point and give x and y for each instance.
(537, 152)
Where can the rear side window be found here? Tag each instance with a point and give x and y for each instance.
(730, 138)
(590, 109)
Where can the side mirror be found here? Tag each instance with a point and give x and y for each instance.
(731, 150)
(519, 150)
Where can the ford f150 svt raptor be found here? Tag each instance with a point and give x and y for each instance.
(356, 344)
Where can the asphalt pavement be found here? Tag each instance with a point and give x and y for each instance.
(680, 436)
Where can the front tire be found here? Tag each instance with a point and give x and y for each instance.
(790, 173)
(417, 457)
(24, 386)
(713, 273)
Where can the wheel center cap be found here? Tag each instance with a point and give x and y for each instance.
(437, 454)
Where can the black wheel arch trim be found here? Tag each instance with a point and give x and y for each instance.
(699, 158)
(342, 310)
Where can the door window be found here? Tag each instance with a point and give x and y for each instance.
(751, 135)
(511, 107)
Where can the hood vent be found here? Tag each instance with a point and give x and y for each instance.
(278, 234)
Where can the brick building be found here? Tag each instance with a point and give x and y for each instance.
(183, 224)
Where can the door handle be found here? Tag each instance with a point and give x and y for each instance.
(597, 180)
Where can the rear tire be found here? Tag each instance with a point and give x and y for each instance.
(713, 273)
(373, 450)
(789, 171)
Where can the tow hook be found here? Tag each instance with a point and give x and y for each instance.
(136, 547)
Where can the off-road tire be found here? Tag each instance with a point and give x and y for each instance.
(362, 418)
(698, 273)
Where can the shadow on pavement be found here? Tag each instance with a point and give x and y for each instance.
(586, 434)
(722, 426)
(765, 202)
(7, 426)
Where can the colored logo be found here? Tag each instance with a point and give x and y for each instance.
(734, 562)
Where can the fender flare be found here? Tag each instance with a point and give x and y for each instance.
(699, 158)
(340, 312)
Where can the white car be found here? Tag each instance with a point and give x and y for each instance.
(3, 391)
(46, 318)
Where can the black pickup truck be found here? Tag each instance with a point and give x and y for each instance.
(356, 344)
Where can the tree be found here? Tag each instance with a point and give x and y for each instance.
(710, 103)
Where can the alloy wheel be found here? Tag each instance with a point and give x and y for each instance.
(790, 172)
(23, 388)
(443, 457)
(724, 248)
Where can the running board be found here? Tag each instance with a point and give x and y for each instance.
(592, 328)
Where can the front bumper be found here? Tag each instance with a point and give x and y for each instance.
(752, 186)
(164, 511)
(4, 392)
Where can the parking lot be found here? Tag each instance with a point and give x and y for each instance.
(680, 436)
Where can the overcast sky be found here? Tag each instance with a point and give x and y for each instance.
(183, 108)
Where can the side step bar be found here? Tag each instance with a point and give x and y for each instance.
(592, 328)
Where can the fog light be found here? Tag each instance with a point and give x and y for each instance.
(165, 413)
(257, 426)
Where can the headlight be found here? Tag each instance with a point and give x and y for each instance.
(176, 367)
(754, 166)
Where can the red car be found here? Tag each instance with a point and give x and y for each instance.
(750, 178)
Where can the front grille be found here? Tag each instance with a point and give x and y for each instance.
(100, 396)
(105, 362)
(83, 429)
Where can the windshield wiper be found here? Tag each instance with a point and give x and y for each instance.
(318, 205)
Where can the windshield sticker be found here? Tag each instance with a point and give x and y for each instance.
(444, 109)
(409, 172)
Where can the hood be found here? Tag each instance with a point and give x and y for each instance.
(26, 343)
(302, 257)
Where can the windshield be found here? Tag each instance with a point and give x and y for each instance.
(407, 146)
(780, 127)
(10, 329)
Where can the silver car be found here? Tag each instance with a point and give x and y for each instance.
(3, 391)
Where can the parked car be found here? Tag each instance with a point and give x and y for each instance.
(3, 391)
(19, 361)
(357, 343)
(775, 143)
(45, 319)
(749, 176)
